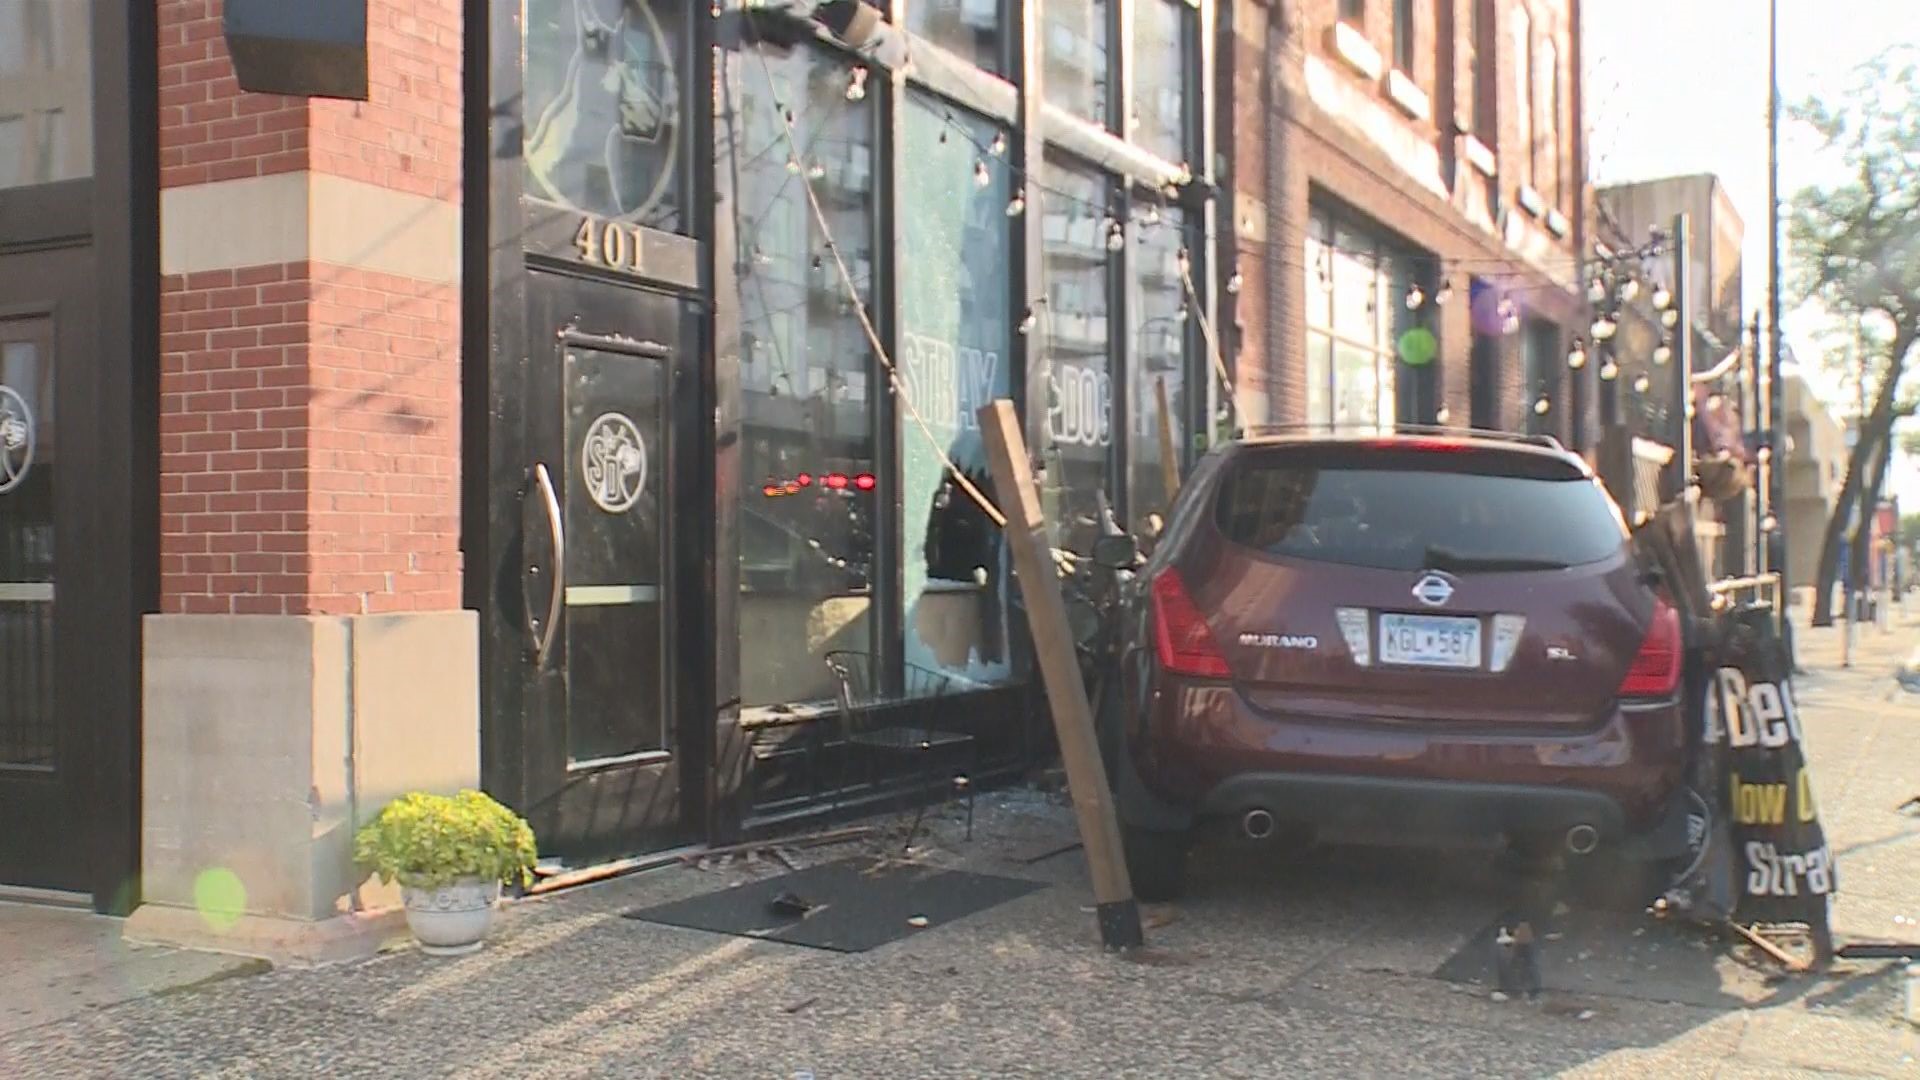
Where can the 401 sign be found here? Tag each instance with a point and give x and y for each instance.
(1080, 412)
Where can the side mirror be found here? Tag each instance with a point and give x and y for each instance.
(1116, 552)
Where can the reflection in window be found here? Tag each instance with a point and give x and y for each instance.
(46, 72)
(1078, 45)
(1159, 110)
(954, 348)
(1351, 339)
(603, 108)
(807, 481)
(1076, 440)
(969, 29)
(1158, 358)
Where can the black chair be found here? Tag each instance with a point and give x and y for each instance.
(870, 722)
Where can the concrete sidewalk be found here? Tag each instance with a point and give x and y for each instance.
(1324, 967)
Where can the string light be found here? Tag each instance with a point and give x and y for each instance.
(1629, 289)
(1662, 353)
(1116, 236)
(1661, 297)
(1234, 283)
(999, 145)
(981, 177)
(1597, 290)
(1444, 293)
(1641, 382)
(857, 86)
(1769, 523)
(1016, 205)
(1577, 356)
(1415, 297)
(1180, 316)
(1602, 328)
(1028, 321)
(1542, 406)
(793, 165)
(816, 171)
(1669, 317)
(1152, 216)
(1511, 324)
(1442, 415)
(1764, 454)
(1609, 371)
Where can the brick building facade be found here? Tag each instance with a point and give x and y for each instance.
(507, 421)
(1415, 139)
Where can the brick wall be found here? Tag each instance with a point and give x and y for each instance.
(310, 410)
(1312, 155)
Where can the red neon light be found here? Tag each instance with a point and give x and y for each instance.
(835, 480)
(804, 479)
(864, 481)
(771, 490)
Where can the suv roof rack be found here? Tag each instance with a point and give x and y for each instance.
(1359, 430)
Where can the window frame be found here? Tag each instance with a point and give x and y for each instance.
(1405, 41)
(1520, 30)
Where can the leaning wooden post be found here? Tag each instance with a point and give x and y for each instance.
(1169, 461)
(1060, 668)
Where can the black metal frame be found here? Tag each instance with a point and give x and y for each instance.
(108, 327)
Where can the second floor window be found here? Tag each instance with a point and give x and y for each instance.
(1546, 125)
(1486, 113)
(1353, 11)
(1522, 37)
(1403, 35)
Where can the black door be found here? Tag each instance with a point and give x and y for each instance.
(42, 743)
(612, 762)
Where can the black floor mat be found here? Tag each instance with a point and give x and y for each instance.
(854, 905)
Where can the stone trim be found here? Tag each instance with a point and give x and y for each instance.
(308, 216)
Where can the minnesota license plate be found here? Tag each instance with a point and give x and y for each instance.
(1429, 641)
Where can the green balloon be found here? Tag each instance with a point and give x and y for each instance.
(1418, 347)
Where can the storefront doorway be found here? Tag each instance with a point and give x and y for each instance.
(611, 760)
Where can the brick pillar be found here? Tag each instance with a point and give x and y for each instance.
(310, 461)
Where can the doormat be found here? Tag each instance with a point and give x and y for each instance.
(846, 906)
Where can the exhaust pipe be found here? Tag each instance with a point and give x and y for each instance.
(1582, 839)
(1257, 824)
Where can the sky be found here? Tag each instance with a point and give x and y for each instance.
(1680, 86)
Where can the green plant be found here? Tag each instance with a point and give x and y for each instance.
(427, 841)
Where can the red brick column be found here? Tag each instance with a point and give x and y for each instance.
(310, 322)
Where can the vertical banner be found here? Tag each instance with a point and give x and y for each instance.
(1786, 867)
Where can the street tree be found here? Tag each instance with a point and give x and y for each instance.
(1856, 250)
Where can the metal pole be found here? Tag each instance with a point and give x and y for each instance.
(1681, 377)
(1776, 387)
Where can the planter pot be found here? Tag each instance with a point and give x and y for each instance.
(452, 920)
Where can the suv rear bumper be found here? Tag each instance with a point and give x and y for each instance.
(1443, 806)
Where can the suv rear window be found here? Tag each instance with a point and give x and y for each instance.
(1404, 511)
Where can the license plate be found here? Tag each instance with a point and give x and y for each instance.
(1429, 641)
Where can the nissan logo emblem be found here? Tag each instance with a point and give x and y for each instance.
(1432, 590)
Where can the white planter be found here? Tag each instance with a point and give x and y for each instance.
(451, 921)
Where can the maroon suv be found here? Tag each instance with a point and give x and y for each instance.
(1405, 635)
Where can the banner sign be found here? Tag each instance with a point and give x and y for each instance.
(1785, 866)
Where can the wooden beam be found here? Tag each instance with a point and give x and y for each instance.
(1026, 534)
(1169, 461)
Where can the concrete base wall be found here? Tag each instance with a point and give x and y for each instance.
(269, 740)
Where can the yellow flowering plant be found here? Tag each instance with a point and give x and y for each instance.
(429, 841)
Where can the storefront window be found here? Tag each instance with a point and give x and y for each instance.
(1351, 346)
(954, 346)
(1078, 47)
(1544, 363)
(1157, 361)
(604, 106)
(1158, 112)
(1076, 441)
(969, 29)
(808, 486)
(46, 92)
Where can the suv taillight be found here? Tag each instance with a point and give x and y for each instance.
(1655, 670)
(1180, 634)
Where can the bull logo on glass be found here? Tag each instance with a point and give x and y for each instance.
(613, 462)
(16, 439)
(1433, 590)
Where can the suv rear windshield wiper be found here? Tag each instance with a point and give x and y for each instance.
(1442, 559)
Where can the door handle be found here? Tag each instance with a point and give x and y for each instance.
(550, 503)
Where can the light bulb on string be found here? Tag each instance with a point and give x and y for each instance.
(816, 171)
(1180, 316)
(1602, 328)
(1641, 383)
(1415, 297)
(1506, 308)
(1577, 356)
(1662, 353)
(1510, 325)
(1016, 205)
(793, 165)
(1116, 237)
(1028, 321)
(857, 84)
(1764, 454)
(1609, 371)
(1542, 406)
(1661, 297)
(1596, 290)
(1152, 216)
(1234, 283)
(1442, 415)
(1629, 289)
(981, 177)
(999, 144)
(1444, 293)
(1769, 523)
(1670, 317)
